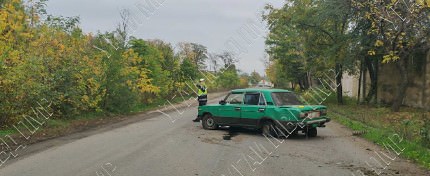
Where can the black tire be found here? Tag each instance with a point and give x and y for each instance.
(312, 132)
(293, 134)
(209, 123)
(267, 129)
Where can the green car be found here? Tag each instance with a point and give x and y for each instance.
(276, 112)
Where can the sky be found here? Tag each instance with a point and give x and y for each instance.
(220, 25)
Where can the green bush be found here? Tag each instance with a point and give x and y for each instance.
(425, 133)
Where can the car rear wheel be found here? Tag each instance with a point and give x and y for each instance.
(268, 129)
(209, 123)
(312, 132)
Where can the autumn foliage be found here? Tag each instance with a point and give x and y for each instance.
(47, 57)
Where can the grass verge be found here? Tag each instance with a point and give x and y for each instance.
(377, 124)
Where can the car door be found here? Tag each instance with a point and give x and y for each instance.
(229, 113)
(253, 109)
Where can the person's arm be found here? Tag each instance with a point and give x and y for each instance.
(202, 88)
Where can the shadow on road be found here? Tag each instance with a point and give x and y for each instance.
(232, 132)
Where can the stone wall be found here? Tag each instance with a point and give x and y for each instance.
(418, 92)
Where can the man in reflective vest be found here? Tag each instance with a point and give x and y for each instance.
(202, 95)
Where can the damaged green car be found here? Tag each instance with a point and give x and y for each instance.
(276, 112)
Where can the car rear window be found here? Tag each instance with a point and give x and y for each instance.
(285, 99)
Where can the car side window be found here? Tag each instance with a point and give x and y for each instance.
(235, 98)
(252, 98)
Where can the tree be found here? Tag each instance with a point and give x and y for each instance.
(15, 31)
(244, 80)
(169, 63)
(286, 42)
(188, 70)
(254, 78)
(275, 73)
(311, 36)
(227, 59)
(196, 53)
(213, 62)
(80, 73)
(402, 29)
(228, 79)
(153, 61)
(362, 42)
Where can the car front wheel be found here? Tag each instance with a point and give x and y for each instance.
(312, 132)
(209, 123)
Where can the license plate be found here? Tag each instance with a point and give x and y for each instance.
(314, 114)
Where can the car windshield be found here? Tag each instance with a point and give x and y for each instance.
(285, 98)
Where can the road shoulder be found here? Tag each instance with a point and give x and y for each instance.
(40, 141)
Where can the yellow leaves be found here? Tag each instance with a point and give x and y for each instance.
(144, 84)
(388, 34)
(357, 4)
(379, 43)
(129, 83)
(371, 53)
(423, 3)
(368, 16)
(54, 42)
(85, 99)
(132, 57)
(390, 57)
(62, 47)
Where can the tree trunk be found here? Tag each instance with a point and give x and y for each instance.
(359, 82)
(339, 83)
(364, 84)
(306, 81)
(372, 67)
(404, 81)
(301, 84)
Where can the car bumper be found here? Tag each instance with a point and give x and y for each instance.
(304, 124)
(310, 122)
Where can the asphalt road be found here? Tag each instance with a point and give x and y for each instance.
(160, 146)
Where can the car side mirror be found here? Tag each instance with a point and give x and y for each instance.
(222, 102)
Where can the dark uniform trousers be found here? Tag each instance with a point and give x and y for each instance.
(203, 99)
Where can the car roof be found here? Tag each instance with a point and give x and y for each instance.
(259, 90)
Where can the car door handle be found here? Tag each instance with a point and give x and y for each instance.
(237, 108)
(261, 109)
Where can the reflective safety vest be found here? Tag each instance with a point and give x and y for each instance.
(202, 90)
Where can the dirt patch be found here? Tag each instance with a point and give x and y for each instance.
(237, 134)
(229, 135)
(212, 140)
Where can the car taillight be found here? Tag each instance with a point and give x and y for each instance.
(324, 112)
